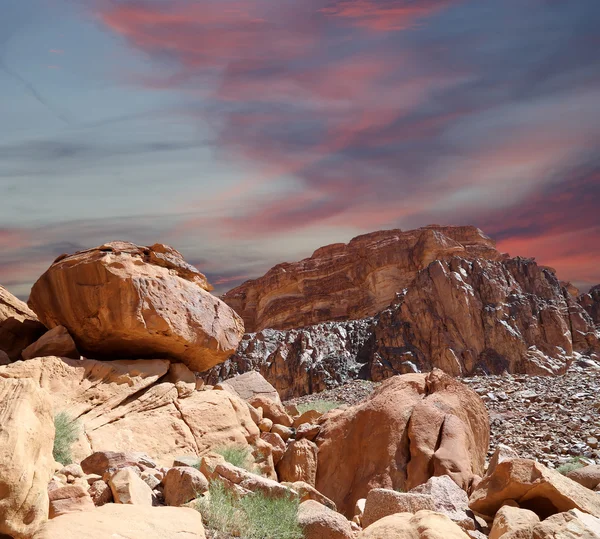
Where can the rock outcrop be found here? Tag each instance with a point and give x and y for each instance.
(462, 316)
(351, 281)
(19, 326)
(412, 427)
(534, 487)
(422, 525)
(591, 303)
(136, 405)
(26, 462)
(485, 316)
(121, 300)
(301, 361)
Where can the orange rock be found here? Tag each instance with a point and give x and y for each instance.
(320, 522)
(26, 461)
(299, 463)
(372, 445)
(183, 484)
(272, 409)
(382, 502)
(517, 521)
(19, 326)
(277, 444)
(334, 284)
(124, 300)
(422, 525)
(534, 487)
(56, 342)
(69, 499)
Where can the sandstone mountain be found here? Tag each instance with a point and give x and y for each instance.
(464, 316)
(341, 282)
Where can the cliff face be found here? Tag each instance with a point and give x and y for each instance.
(591, 303)
(464, 316)
(483, 316)
(351, 281)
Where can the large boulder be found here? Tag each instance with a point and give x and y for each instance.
(130, 521)
(534, 487)
(411, 428)
(383, 502)
(19, 326)
(516, 521)
(134, 406)
(422, 525)
(183, 484)
(26, 461)
(588, 476)
(123, 300)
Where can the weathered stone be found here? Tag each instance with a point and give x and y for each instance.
(19, 326)
(285, 432)
(100, 493)
(272, 410)
(421, 525)
(101, 462)
(69, 499)
(308, 492)
(56, 342)
(449, 499)
(501, 453)
(517, 522)
(134, 522)
(310, 416)
(26, 461)
(320, 522)
(277, 444)
(534, 487)
(183, 484)
(308, 431)
(265, 425)
(382, 502)
(249, 385)
(299, 462)
(588, 476)
(378, 441)
(129, 488)
(571, 525)
(124, 300)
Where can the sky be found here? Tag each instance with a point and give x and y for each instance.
(246, 133)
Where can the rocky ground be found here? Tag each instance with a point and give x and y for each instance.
(547, 418)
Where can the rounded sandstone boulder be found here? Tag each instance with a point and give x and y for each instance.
(123, 300)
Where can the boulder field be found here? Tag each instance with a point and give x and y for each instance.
(116, 368)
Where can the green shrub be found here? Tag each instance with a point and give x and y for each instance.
(322, 406)
(238, 456)
(67, 432)
(255, 516)
(573, 464)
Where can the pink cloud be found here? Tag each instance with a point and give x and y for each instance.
(385, 15)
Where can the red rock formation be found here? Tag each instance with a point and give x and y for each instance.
(462, 316)
(341, 282)
(411, 428)
(121, 300)
(591, 303)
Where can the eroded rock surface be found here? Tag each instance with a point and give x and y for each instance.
(123, 300)
(135, 406)
(351, 281)
(412, 427)
(19, 326)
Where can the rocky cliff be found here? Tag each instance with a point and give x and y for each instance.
(351, 281)
(464, 316)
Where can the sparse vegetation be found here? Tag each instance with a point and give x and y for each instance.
(322, 406)
(67, 432)
(238, 456)
(252, 517)
(573, 464)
